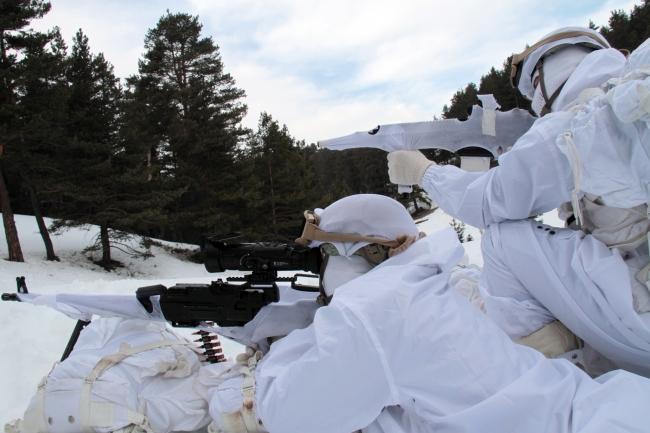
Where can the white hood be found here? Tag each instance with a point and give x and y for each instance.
(367, 215)
(594, 71)
(559, 66)
(528, 68)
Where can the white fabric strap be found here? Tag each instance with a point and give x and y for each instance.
(248, 393)
(214, 428)
(233, 423)
(110, 360)
(104, 364)
(574, 159)
(139, 421)
(643, 94)
(14, 426)
(644, 274)
(40, 402)
(588, 93)
(579, 104)
(40, 406)
(244, 420)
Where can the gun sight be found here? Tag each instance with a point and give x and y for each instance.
(261, 256)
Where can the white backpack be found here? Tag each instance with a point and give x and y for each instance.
(608, 143)
(124, 375)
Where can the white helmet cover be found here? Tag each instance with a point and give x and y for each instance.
(366, 215)
(591, 39)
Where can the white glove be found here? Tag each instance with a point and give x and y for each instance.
(407, 167)
(244, 357)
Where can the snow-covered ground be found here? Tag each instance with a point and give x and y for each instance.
(33, 338)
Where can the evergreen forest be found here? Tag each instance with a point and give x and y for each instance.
(163, 153)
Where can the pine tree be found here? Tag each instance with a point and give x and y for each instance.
(364, 171)
(624, 31)
(193, 112)
(497, 83)
(418, 198)
(103, 177)
(332, 166)
(628, 31)
(15, 42)
(159, 190)
(42, 93)
(288, 183)
(339, 190)
(461, 102)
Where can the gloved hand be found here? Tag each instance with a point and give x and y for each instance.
(405, 242)
(244, 357)
(407, 167)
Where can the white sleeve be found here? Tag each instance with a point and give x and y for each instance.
(631, 101)
(533, 178)
(308, 381)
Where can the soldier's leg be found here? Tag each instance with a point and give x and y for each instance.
(534, 274)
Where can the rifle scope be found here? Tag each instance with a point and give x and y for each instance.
(260, 256)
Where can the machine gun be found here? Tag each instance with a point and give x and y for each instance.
(227, 304)
(233, 302)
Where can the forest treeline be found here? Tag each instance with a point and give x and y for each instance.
(162, 153)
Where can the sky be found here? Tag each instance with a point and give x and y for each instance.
(331, 68)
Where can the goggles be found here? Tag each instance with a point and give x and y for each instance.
(516, 65)
(311, 232)
(371, 253)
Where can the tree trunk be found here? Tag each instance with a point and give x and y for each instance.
(106, 245)
(13, 243)
(36, 207)
(149, 177)
(273, 219)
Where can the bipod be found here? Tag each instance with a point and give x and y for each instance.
(21, 287)
(81, 324)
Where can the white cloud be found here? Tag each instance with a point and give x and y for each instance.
(310, 113)
(332, 68)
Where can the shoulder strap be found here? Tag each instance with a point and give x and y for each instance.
(39, 410)
(553, 97)
(248, 393)
(104, 364)
(323, 299)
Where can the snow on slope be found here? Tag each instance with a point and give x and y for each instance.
(33, 338)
